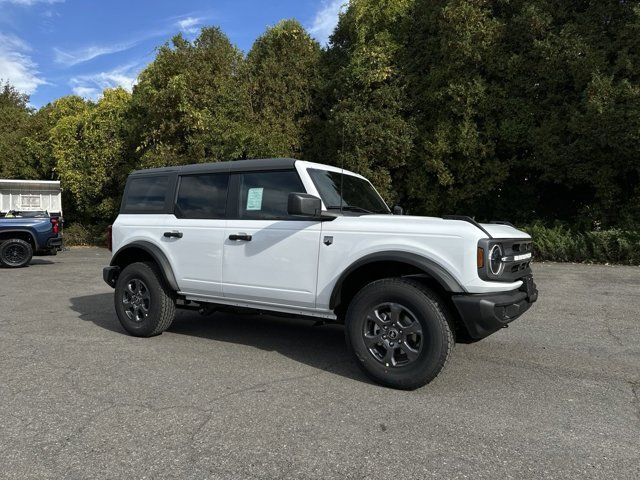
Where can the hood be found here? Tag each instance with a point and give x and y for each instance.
(406, 222)
(497, 230)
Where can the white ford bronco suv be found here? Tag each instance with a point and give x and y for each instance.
(297, 238)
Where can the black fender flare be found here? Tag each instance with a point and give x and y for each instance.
(428, 266)
(23, 230)
(157, 254)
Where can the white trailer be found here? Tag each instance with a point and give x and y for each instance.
(30, 195)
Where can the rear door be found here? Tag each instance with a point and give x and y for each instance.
(194, 234)
(269, 257)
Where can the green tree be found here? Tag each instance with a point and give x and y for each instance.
(448, 47)
(38, 143)
(14, 122)
(190, 104)
(282, 74)
(566, 96)
(91, 152)
(362, 107)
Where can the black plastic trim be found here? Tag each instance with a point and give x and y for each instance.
(159, 257)
(465, 218)
(431, 268)
(484, 314)
(110, 275)
(54, 242)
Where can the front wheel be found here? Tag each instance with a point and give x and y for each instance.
(144, 304)
(15, 253)
(398, 331)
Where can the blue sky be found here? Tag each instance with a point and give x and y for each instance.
(51, 48)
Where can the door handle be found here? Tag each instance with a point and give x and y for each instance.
(240, 236)
(174, 234)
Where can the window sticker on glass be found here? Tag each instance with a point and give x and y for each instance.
(254, 199)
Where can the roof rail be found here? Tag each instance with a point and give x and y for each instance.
(466, 218)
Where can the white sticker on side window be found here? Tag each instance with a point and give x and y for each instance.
(254, 199)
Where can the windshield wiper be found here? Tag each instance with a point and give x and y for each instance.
(349, 208)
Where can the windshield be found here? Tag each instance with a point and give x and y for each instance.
(357, 194)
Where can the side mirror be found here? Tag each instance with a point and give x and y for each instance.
(397, 210)
(304, 205)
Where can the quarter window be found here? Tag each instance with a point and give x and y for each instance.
(264, 195)
(202, 196)
(146, 194)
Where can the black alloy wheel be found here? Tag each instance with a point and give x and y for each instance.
(145, 305)
(393, 335)
(15, 253)
(136, 300)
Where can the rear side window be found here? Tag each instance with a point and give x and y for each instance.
(264, 195)
(146, 194)
(202, 196)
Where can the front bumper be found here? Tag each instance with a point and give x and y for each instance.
(110, 275)
(484, 314)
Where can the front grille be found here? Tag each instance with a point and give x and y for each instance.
(522, 246)
(514, 268)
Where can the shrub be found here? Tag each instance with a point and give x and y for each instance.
(78, 234)
(561, 244)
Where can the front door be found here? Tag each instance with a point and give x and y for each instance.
(269, 257)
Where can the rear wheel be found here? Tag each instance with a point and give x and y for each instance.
(144, 304)
(398, 331)
(15, 253)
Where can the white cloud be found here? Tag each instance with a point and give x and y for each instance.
(28, 3)
(85, 54)
(189, 24)
(91, 86)
(326, 19)
(16, 66)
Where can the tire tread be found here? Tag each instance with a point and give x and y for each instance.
(441, 315)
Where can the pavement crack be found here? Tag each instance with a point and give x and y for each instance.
(635, 400)
(615, 337)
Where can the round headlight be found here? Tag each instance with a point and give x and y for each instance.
(495, 260)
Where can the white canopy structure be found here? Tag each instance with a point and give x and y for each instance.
(30, 195)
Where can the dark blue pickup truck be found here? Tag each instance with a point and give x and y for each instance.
(23, 235)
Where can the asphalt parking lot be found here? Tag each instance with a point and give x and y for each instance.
(556, 395)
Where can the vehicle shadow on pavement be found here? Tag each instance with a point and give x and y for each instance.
(322, 347)
(40, 261)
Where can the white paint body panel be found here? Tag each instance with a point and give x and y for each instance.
(279, 264)
(287, 267)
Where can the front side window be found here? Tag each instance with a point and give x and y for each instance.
(264, 195)
(146, 194)
(202, 196)
(357, 194)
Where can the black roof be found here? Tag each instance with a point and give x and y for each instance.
(233, 166)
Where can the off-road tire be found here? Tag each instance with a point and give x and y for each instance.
(8, 249)
(162, 305)
(427, 308)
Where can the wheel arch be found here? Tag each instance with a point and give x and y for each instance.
(385, 265)
(145, 251)
(22, 234)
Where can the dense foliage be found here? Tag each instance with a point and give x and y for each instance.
(526, 110)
